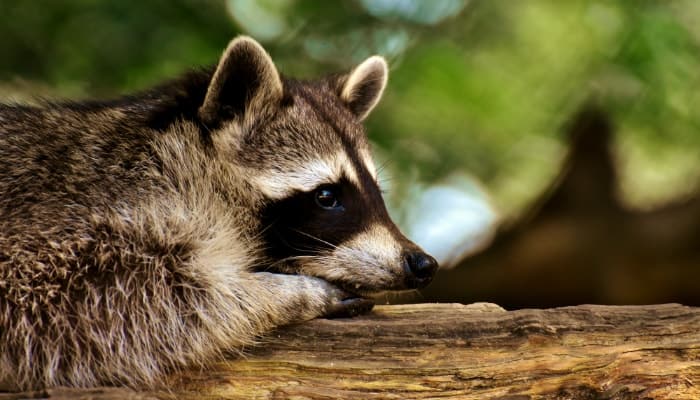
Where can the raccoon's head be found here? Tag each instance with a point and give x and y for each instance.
(302, 148)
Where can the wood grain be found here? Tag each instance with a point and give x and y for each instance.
(478, 351)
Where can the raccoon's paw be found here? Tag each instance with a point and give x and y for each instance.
(335, 302)
(301, 298)
(349, 307)
(342, 304)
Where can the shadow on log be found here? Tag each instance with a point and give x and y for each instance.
(477, 351)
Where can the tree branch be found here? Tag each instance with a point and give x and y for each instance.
(477, 351)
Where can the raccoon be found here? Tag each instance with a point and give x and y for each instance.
(154, 232)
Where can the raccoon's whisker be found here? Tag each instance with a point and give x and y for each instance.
(316, 238)
(382, 166)
(382, 185)
(266, 227)
(206, 127)
(296, 258)
(288, 259)
(289, 245)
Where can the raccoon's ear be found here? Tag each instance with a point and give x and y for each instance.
(362, 88)
(246, 80)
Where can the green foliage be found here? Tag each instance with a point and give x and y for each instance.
(480, 86)
(84, 47)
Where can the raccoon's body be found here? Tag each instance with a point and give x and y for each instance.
(154, 232)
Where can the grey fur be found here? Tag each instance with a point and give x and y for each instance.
(131, 243)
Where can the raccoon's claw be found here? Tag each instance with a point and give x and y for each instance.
(349, 308)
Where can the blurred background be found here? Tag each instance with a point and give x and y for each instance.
(547, 152)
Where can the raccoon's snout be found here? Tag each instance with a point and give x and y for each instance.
(419, 268)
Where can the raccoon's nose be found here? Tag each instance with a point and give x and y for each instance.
(419, 268)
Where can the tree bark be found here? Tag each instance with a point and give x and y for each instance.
(477, 351)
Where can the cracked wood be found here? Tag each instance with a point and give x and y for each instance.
(476, 351)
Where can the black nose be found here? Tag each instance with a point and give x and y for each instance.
(419, 268)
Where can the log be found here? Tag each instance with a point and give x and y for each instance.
(477, 351)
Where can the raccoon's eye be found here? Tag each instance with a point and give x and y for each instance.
(327, 199)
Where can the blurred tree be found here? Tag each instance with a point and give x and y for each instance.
(83, 47)
(480, 86)
(579, 245)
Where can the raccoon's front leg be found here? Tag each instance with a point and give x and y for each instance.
(296, 298)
